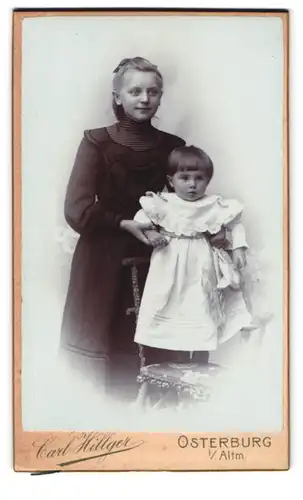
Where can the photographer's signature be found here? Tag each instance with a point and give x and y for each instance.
(84, 447)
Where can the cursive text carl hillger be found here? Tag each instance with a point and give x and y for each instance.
(84, 446)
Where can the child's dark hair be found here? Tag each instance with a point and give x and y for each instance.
(188, 158)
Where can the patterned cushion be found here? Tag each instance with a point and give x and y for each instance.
(193, 378)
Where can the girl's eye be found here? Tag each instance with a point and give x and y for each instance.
(135, 91)
(184, 177)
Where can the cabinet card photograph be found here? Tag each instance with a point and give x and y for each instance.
(150, 167)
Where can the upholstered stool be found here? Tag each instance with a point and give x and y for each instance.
(180, 383)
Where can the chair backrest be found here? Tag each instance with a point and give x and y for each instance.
(133, 263)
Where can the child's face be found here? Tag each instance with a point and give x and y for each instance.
(140, 94)
(190, 185)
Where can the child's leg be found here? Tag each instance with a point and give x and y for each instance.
(200, 357)
(181, 356)
(154, 355)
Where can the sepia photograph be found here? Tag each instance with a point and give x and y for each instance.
(150, 239)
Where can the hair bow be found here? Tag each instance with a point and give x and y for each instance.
(121, 64)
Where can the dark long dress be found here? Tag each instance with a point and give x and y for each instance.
(114, 166)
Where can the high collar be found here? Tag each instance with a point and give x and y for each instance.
(138, 136)
(134, 127)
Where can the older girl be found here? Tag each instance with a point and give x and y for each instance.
(114, 167)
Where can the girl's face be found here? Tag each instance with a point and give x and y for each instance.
(139, 94)
(190, 185)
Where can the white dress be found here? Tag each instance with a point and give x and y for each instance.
(187, 304)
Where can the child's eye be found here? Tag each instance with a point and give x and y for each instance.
(184, 178)
(153, 92)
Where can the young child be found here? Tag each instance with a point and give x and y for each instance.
(192, 299)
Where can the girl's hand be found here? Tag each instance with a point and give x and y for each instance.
(157, 240)
(137, 229)
(239, 258)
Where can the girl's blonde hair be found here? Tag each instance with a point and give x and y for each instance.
(137, 63)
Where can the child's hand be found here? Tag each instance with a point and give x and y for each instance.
(239, 258)
(156, 239)
(219, 239)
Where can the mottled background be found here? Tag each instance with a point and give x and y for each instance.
(223, 92)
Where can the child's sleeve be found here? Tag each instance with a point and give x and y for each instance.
(141, 216)
(236, 234)
(152, 208)
(231, 210)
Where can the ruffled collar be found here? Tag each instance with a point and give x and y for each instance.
(189, 218)
(174, 200)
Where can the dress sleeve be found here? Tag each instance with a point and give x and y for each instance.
(83, 212)
(141, 217)
(153, 206)
(237, 234)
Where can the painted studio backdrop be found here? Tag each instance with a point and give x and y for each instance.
(223, 92)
